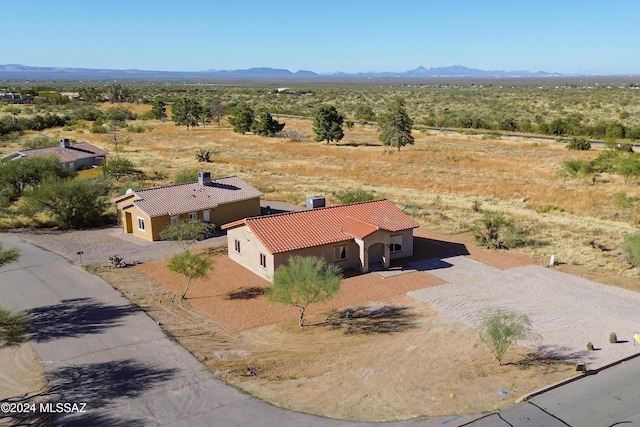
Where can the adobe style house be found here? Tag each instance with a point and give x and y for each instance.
(72, 156)
(145, 213)
(351, 236)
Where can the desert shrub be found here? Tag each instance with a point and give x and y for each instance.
(136, 129)
(632, 248)
(500, 329)
(185, 177)
(589, 346)
(355, 196)
(13, 326)
(613, 338)
(97, 127)
(8, 255)
(73, 203)
(40, 141)
(579, 144)
(623, 201)
(496, 230)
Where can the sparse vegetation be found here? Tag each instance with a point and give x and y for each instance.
(496, 230)
(304, 281)
(8, 255)
(632, 248)
(13, 326)
(355, 196)
(190, 265)
(500, 329)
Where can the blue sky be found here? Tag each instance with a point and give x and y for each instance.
(566, 36)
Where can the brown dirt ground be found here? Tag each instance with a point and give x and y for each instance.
(392, 360)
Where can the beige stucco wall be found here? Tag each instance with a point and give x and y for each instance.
(407, 244)
(250, 250)
(327, 253)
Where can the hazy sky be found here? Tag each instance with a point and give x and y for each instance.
(566, 36)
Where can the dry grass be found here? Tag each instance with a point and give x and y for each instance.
(438, 178)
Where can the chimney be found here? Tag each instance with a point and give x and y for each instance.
(204, 178)
(64, 142)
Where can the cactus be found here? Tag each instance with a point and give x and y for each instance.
(613, 338)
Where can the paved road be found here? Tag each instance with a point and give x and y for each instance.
(98, 349)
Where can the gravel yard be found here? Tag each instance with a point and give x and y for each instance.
(566, 311)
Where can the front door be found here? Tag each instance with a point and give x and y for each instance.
(206, 215)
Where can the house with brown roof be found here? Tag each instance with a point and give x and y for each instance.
(356, 236)
(81, 155)
(145, 213)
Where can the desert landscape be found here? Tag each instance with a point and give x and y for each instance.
(411, 348)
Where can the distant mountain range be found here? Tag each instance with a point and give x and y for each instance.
(25, 72)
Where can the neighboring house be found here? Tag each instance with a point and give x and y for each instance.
(15, 98)
(350, 236)
(73, 156)
(145, 213)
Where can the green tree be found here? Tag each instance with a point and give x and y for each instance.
(13, 326)
(396, 125)
(266, 125)
(216, 110)
(187, 233)
(327, 124)
(8, 255)
(159, 110)
(628, 166)
(500, 329)
(186, 112)
(304, 281)
(74, 203)
(117, 167)
(365, 113)
(190, 265)
(631, 248)
(18, 175)
(241, 118)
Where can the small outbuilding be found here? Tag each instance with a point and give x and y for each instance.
(145, 213)
(357, 236)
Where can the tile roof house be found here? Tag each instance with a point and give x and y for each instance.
(145, 213)
(352, 236)
(81, 155)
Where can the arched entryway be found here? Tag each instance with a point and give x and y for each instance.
(376, 257)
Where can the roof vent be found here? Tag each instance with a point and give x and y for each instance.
(204, 178)
(314, 202)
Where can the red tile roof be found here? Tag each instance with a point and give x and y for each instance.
(191, 197)
(304, 229)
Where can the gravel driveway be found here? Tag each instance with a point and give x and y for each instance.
(566, 311)
(98, 244)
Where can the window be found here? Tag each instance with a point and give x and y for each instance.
(237, 245)
(263, 260)
(340, 252)
(396, 243)
(174, 220)
(141, 224)
(193, 216)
